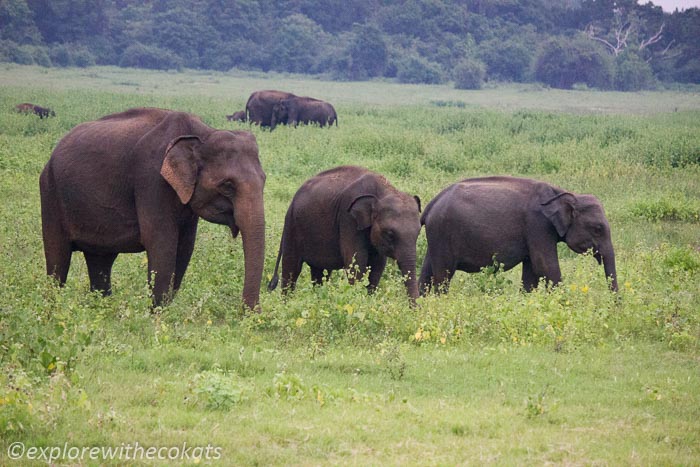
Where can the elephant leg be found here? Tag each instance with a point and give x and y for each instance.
(545, 263)
(529, 278)
(57, 247)
(377, 263)
(161, 249)
(291, 268)
(100, 272)
(426, 274)
(442, 275)
(185, 246)
(316, 275)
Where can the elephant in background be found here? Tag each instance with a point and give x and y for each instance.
(27, 108)
(344, 216)
(306, 110)
(260, 104)
(239, 116)
(477, 221)
(140, 180)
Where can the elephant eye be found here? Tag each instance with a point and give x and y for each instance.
(389, 235)
(227, 189)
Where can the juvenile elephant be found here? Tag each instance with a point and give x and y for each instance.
(349, 214)
(306, 110)
(511, 220)
(260, 103)
(237, 116)
(140, 180)
(44, 112)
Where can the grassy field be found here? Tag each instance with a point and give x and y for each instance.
(484, 375)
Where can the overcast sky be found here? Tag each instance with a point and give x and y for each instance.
(670, 5)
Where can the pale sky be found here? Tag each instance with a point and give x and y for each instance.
(670, 5)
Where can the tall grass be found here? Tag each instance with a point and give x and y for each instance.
(68, 356)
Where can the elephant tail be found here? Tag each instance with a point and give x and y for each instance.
(272, 285)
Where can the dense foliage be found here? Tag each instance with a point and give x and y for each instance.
(416, 41)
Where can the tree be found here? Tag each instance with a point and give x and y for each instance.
(295, 44)
(469, 74)
(17, 24)
(562, 62)
(367, 51)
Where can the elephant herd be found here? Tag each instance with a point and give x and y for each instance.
(27, 108)
(271, 108)
(141, 179)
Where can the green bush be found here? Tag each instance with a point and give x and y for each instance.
(144, 56)
(563, 62)
(632, 73)
(415, 69)
(469, 74)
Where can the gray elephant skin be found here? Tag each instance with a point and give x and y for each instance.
(237, 116)
(306, 110)
(511, 220)
(260, 104)
(344, 216)
(140, 180)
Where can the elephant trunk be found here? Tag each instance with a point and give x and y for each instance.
(407, 265)
(250, 220)
(606, 255)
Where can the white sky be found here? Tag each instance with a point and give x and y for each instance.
(670, 5)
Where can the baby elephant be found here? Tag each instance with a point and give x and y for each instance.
(237, 116)
(349, 214)
(511, 220)
(27, 108)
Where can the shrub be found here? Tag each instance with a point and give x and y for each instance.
(469, 74)
(60, 55)
(506, 60)
(143, 56)
(632, 73)
(415, 69)
(563, 61)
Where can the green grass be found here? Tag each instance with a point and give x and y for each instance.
(486, 374)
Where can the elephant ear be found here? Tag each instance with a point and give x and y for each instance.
(179, 167)
(361, 209)
(561, 211)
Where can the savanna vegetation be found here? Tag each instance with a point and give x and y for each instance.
(486, 374)
(606, 44)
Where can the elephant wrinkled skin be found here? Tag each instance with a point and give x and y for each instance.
(509, 220)
(349, 216)
(140, 180)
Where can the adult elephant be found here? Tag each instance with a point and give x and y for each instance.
(349, 216)
(140, 180)
(295, 110)
(260, 104)
(477, 221)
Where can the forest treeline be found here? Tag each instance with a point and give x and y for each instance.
(601, 44)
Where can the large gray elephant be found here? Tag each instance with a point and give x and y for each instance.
(295, 110)
(344, 215)
(260, 104)
(511, 220)
(140, 180)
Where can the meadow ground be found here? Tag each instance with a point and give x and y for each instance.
(485, 374)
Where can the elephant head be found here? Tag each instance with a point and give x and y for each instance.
(280, 113)
(580, 221)
(393, 220)
(220, 177)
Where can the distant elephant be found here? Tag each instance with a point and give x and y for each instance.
(511, 220)
(344, 216)
(260, 103)
(306, 110)
(24, 108)
(44, 111)
(27, 108)
(139, 180)
(237, 116)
